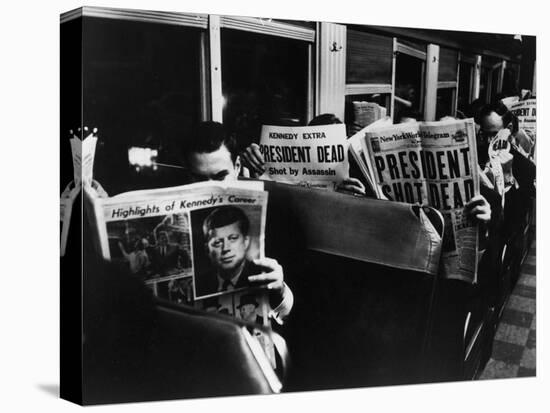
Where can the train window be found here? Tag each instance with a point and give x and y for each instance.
(447, 83)
(448, 65)
(495, 89)
(445, 102)
(466, 73)
(141, 89)
(490, 77)
(484, 93)
(264, 80)
(510, 82)
(409, 85)
(368, 58)
(358, 112)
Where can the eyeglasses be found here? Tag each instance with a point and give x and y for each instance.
(489, 135)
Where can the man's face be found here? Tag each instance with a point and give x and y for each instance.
(491, 125)
(227, 247)
(213, 166)
(248, 312)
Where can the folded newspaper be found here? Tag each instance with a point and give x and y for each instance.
(172, 238)
(433, 163)
(366, 113)
(312, 156)
(526, 112)
(356, 149)
(82, 172)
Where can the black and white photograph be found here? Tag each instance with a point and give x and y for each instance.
(177, 290)
(227, 242)
(286, 204)
(152, 248)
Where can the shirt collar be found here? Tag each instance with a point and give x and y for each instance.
(233, 280)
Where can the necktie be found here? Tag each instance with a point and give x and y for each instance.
(227, 285)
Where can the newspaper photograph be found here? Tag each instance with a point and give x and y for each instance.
(312, 156)
(250, 306)
(177, 290)
(433, 163)
(247, 306)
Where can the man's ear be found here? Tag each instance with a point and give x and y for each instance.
(247, 241)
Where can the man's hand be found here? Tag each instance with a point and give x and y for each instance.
(253, 159)
(478, 209)
(352, 185)
(273, 277)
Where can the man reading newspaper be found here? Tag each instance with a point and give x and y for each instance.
(211, 155)
(255, 160)
(434, 163)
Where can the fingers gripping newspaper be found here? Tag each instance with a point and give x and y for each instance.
(433, 163)
(193, 244)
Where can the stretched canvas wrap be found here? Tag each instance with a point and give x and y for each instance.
(255, 206)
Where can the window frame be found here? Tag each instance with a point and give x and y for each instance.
(211, 68)
(416, 53)
(388, 89)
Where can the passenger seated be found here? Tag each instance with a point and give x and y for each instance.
(211, 155)
(253, 159)
(519, 184)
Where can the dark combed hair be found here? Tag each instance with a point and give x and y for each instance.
(225, 215)
(500, 109)
(207, 137)
(324, 119)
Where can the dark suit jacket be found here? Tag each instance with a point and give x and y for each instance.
(161, 264)
(207, 282)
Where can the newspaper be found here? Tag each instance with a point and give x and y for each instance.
(366, 113)
(65, 212)
(193, 244)
(82, 172)
(312, 156)
(172, 239)
(432, 163)
(509, 101)
(356, 149)
(83, 152)
(526, 112)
